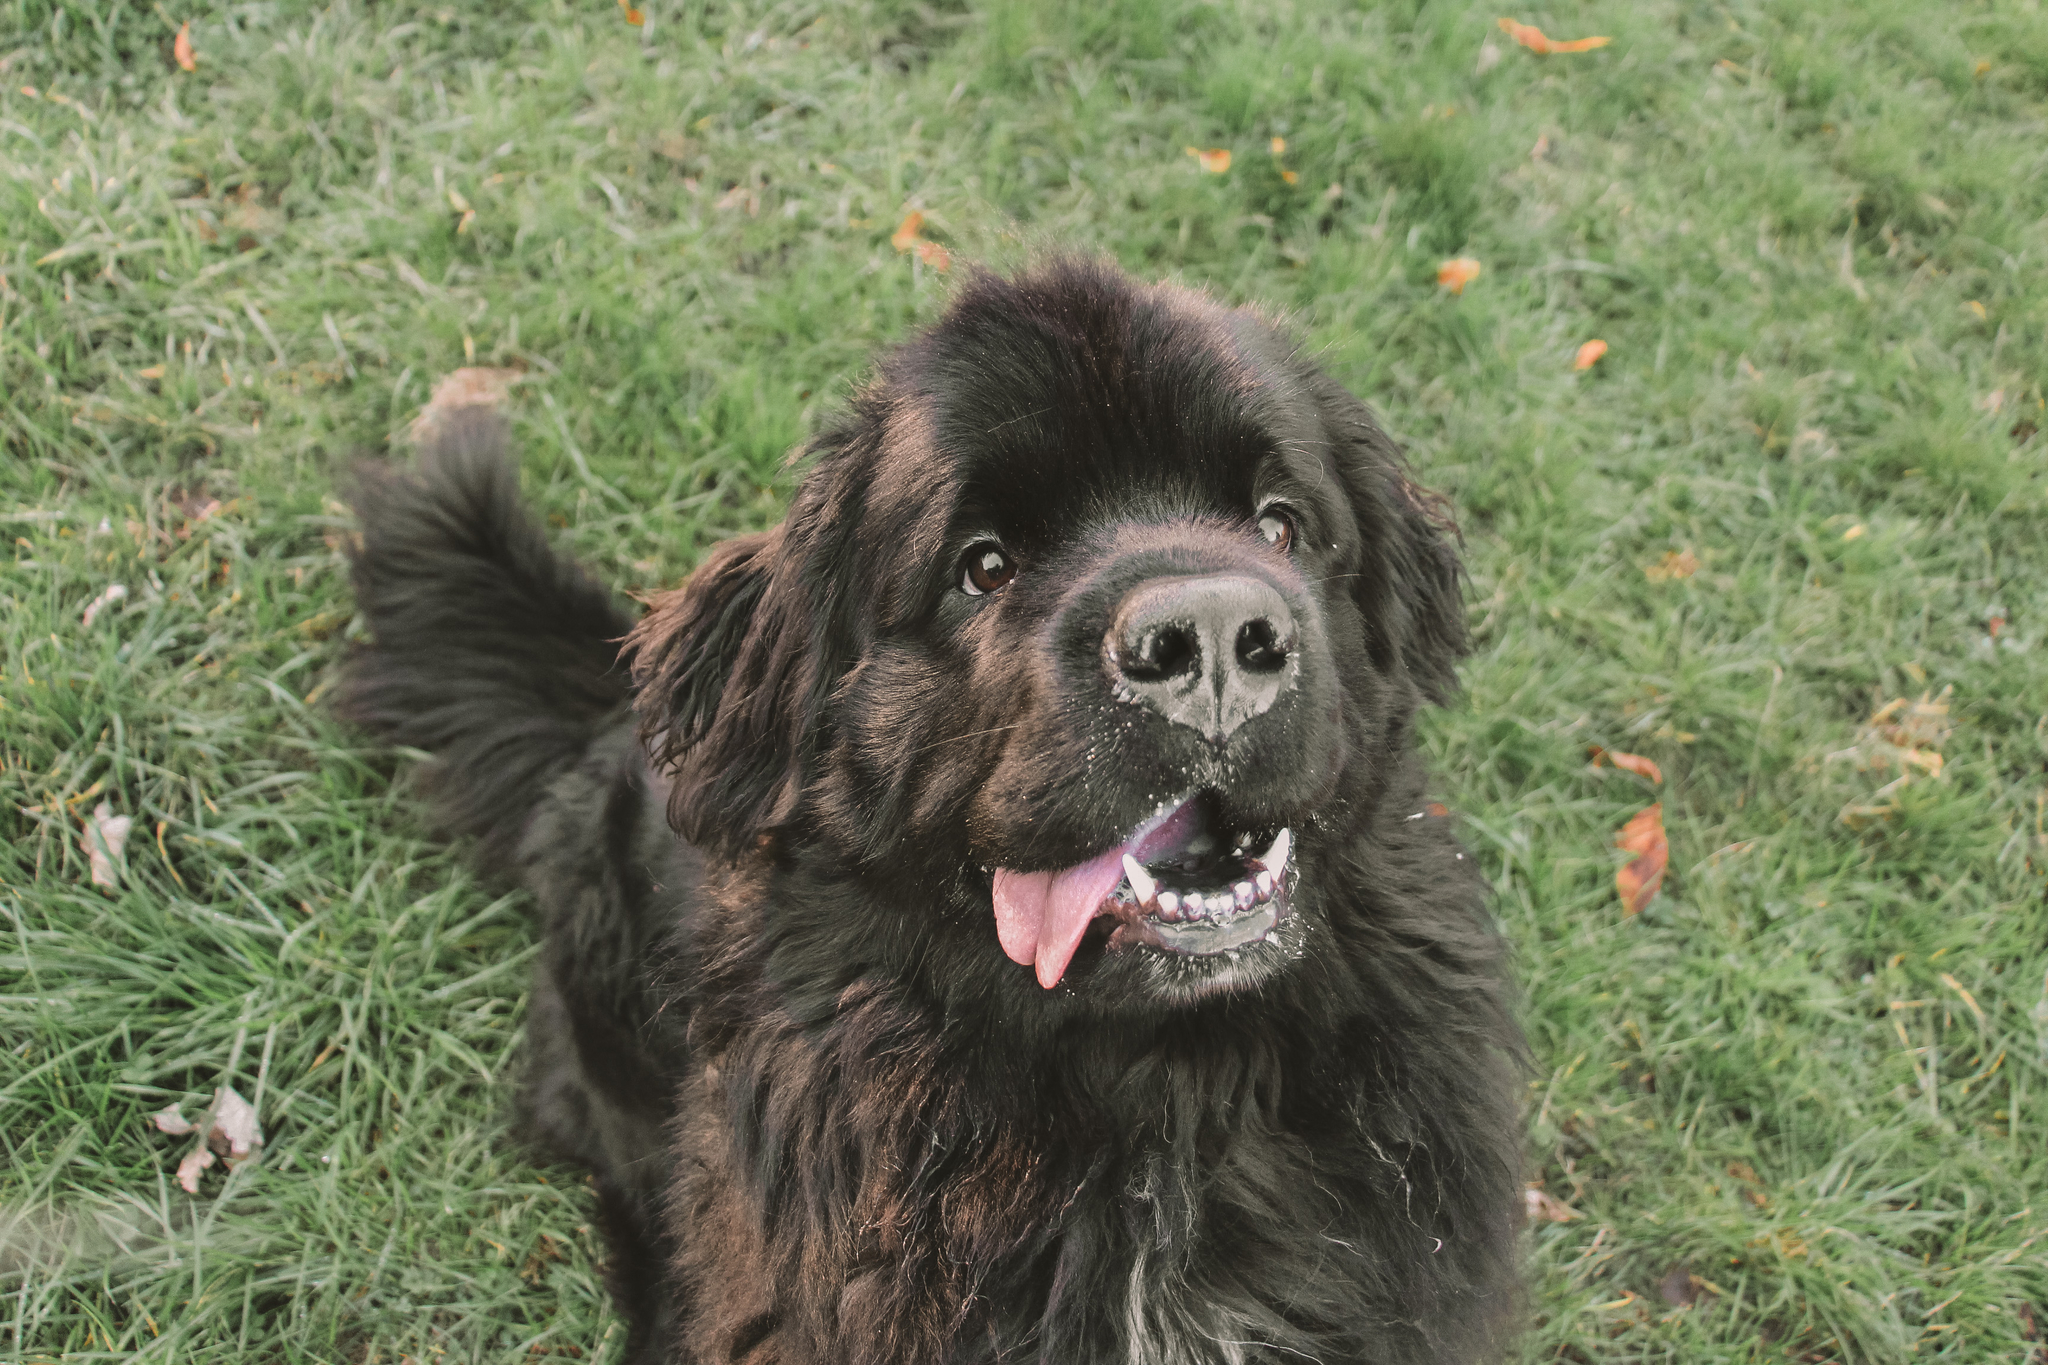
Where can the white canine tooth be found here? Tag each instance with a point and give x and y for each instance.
(1274, 859)
(1142, 885)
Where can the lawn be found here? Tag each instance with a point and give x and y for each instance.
(1793, 1111)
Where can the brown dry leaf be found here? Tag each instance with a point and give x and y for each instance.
(181, 48)
(1589, 354)
(1213, 160)
(1546, 1208)
(104, 839)
(472, 386)
(935, 256)
(905, 237)
(1457, 272)
(1533, 38)
(1900, 734)
(1638, 881)
(1674, 564)
(1632, 763)
(228, 1129)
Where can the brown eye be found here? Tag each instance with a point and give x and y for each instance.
(1278, 528)
(985, 568)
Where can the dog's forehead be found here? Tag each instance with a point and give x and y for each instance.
(1025, 404)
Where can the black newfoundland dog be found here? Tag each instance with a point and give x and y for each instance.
(995, 914)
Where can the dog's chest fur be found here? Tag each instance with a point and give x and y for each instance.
(846, 1190)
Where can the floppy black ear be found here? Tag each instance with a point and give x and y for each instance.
(1411, 585)
(730, 690)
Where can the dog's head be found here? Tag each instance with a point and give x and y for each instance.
(1093, 634)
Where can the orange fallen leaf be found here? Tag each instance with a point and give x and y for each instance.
(1994, 625)
(1674, 564)
(181, 48)
(1438, 809)
(1291, 177)
(904, 238)
(1533, 38)
(1214, 160)
(1279, 145)
(633, 16)
(1638, 881)
(1632, 763)
(935, 256)
(1589, 354)
(1457, 272)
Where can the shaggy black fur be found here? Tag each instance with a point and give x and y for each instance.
(831, 1120)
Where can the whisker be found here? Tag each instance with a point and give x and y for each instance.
(972, 734)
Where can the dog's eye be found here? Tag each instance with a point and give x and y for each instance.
(984, 568)
(1276, 524)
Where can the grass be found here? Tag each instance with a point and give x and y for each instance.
(1798, 1102)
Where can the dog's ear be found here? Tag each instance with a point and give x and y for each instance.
(1411, 583)
(730, 690)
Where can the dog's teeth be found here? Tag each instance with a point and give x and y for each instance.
(1245, 894)
(1169, 907)
(1264, 882)
(1142, 885)
(1193, 907)
(1274, 859)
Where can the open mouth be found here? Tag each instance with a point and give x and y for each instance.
(1184, 882)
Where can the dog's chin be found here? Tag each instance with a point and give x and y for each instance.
(1117, 976)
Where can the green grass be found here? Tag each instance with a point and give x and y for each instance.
(1813, 235)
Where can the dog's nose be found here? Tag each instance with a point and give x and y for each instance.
(1207, 652)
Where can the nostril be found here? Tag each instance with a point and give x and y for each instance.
(1260, 646)
(1165, 651)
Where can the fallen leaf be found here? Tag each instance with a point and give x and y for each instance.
(1214, 160)
(1546, 1208)
(1457, 272)
(1279, 145)
(1489, 57)
(1674, 564)
(105, 837)
(1589, 354)
(1994, 625)
(1632, 763)
(228, 1129)
(472, 386)
(153, 372)
(904, 238)
(1639, 880)
(1533, 38)
(172, 1121)
(114, 592)
(181, 48)
(1978, 309)
(1856, 532)
(1291, 177)
(633, 16)
(1438, 809)
(935, 256)
(1542, 147)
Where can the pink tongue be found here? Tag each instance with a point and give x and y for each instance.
(1041, 916)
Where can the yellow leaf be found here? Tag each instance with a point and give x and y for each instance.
(1214, 160)
(1589, 354)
